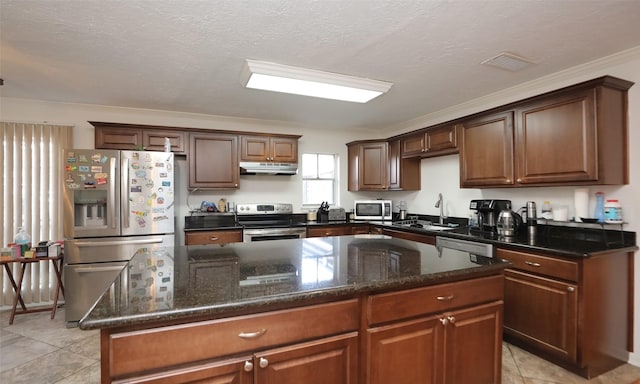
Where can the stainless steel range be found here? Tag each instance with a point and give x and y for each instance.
(263, 222)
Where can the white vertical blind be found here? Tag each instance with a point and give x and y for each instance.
(31, 193)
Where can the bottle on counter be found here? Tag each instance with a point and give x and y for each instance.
(546, 211)
(599, 211)
(23, 239)
(612, 212)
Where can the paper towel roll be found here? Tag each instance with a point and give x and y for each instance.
(581, 202)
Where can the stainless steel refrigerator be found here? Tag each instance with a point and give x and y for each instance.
(116, 204)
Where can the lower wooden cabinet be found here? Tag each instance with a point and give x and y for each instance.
(573, 312)
(462, 346)
(213, 237)
(330, 360)
(461, 342)
(337, 230)
(542, 311)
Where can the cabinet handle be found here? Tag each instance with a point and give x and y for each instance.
(252, 335)
(248, 366)
(571, 289)
(444, 298)
(264, 363)
(213, 238)
(451, 319)
(443, 321)
(531, 263)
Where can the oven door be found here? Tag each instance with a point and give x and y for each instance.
(266, 234)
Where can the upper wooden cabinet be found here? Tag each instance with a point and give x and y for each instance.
(486, 154)
(573, 136)
(275, 148)
(378, 166)
(117, 138)
(436, 141)
(213, 161)
(136, 137)
(154, 141)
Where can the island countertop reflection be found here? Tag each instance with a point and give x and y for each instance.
(184, 281)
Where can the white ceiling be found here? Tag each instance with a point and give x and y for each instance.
(187, 55)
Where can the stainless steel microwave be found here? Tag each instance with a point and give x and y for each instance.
(372, 209)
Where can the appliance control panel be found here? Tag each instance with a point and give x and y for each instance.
(252, 209)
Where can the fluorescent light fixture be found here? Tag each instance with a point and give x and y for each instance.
(308, 82)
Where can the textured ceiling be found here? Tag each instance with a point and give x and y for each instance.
(187, 55)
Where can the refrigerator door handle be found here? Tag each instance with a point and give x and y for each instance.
(98, 269)
(125, 192)
(153, 240)
(112, 194)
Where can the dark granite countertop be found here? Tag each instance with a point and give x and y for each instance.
(175, 284)
(566, 241)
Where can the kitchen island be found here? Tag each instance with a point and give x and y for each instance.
(345, 309)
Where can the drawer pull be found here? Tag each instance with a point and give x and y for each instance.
(444, 298)
(531, 263)
(443, 321)
(248, 366)
(264, 363)
(252, 335)
(571, 289)
(213, 238)
(451, 319)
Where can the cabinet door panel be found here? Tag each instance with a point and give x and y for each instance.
(219, 372)
(213, 161)
(441, 139)
(405, 353)
(154, 140)
(414, 145)
(474, 341)
(332, 360)
(284, 149)
(117, 138)
(543, 312)
(556, 140)
(373, 166)
(486, 157)
(254, 148)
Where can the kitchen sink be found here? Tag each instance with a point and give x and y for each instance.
(426, 225)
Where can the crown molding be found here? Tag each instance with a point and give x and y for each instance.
(538, 86)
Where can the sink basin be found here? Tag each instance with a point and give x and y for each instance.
(427, 226)
(437, 228)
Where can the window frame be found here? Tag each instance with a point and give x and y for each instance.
(335, 180)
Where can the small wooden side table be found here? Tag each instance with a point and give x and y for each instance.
(56, 261)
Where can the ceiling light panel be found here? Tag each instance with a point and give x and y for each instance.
(301, 81)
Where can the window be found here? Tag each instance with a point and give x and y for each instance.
(31, 197)
(319, 178)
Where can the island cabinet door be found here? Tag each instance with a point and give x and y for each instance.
(406, 353)
(473, 344)
(331, 360)
(231, 371)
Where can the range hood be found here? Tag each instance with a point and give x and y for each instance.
(269, 168)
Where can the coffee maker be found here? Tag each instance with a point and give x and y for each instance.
(488, 211)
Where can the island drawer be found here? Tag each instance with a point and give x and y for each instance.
(213, 237)
(543, 265)
(151, 349)
(405, 304)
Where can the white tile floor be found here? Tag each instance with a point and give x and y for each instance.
(38, 350)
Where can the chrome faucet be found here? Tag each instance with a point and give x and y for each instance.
(439, 204)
